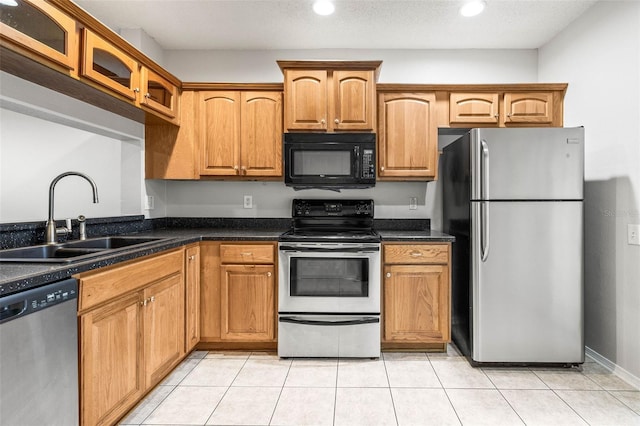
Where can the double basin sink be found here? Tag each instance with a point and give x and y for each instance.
(72, 251)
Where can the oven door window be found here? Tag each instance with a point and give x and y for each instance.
(329, 277)
(322, 163)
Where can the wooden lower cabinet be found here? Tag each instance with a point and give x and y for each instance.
(238, 295)
(163, 319)
(110, 360)
(192, 297)
(131, 333)
(416, 287)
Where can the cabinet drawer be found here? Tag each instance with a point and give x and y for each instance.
(249, 253)
(416, 253)
(100, 286)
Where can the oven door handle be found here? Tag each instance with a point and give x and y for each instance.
(328, 250)
(365, 320)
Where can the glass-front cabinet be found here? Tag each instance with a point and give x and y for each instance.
(108, 66)
(40, 31)
(158, 94)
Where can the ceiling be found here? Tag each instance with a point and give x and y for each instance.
(356, 24)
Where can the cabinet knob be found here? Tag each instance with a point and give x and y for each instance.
(336, 121)
(382, 168)
(192, 257)
(497, 115)
(136, 90)
(152, 299)
(147, 95)
(268, 274)
(323, 121)
(143, 303)
(388, 274)
(243, 169)
(508, 115)
(236, 169)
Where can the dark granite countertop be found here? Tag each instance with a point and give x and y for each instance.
(15, 277)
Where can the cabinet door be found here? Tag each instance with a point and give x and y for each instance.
(248, 302)
(109, 67)
(43, 31)
(416, 303)
(220, 133)
(110, 361)
(407, 136)
(192, 297)
(473, 108)
(353, 100)
(163, 317)
(305, 106)
(261, 128)
(532, 107)
(158, 94)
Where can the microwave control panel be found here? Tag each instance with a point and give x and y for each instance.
(368, 164)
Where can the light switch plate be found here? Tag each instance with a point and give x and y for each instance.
(633, 234)
(149, 203)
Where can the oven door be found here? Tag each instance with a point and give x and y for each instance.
(329, 278)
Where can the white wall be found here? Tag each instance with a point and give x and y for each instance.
(43, 134)
(399, 66)
(599, 55)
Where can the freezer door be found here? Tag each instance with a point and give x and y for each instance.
(527, 164)
(527, 282)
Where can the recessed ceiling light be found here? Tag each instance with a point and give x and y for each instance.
(323, 7)
(472, 8)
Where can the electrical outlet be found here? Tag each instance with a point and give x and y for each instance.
(413, 203)
(149, 203)
(248, 202)
(633, 234)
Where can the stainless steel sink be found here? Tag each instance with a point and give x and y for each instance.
(73, 251)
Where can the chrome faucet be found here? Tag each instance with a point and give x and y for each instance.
(52, 231)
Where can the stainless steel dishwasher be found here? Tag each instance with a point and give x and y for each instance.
(39, 356)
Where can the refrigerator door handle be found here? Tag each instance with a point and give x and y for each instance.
(484, 231)
(484, 170)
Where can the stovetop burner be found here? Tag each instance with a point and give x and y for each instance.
(331, 220)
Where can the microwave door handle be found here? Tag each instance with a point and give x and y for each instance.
(356, 159)
(289, 249)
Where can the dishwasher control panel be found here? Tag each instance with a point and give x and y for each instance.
(27, 302)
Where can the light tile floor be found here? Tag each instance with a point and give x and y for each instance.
(256, 388)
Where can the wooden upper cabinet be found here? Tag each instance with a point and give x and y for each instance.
(261, 134)
(220, 133)
(354, 94)
(109, 67)
(241, 133)
(41, 32)
(306, 105)
(505, 106)
(407, 136)
(467, 108)
(531, 107)
(329, 96)
(159, 95)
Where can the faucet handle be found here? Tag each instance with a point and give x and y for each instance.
(82, 227)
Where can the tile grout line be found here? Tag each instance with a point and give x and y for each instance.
(273, 412)
(393, 404)
(227, 390)
(445, 389)
(505, 398)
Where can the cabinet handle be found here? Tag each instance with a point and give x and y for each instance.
(382, 168)
(243, 170)
(336, 121)
(388, 274)
(136, 90)
(497, 115)
(247, 254)
(236, 169)
(152, 299)
(192, 257)
(147, 95)
(143, 303)
(323, 121)
(268, 274)
(416, 253)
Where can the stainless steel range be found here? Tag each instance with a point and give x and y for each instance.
(329, 281)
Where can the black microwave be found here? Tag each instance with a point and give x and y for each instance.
(330, 160)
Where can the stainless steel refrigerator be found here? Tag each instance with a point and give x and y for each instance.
(513, 198)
